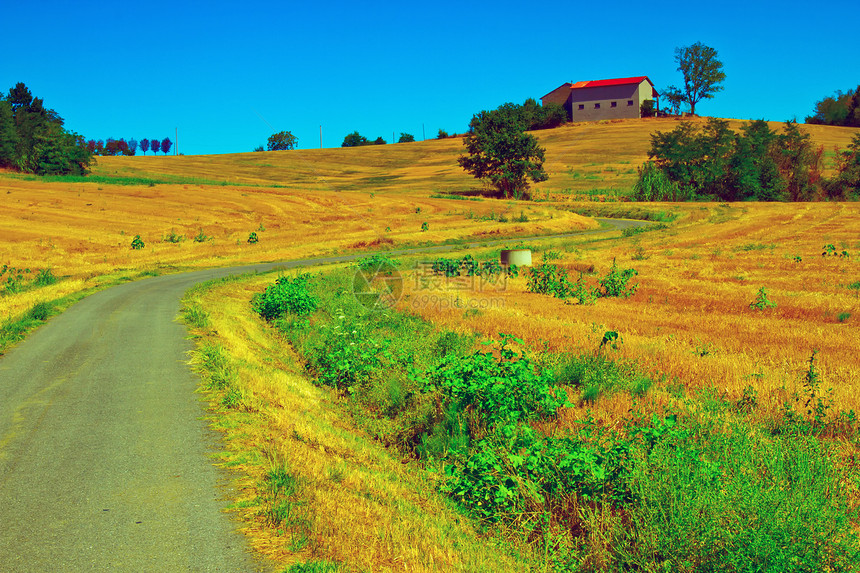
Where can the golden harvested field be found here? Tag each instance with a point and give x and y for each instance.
(690, 321)
(697, 279)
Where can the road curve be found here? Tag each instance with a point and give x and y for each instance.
(104, 457)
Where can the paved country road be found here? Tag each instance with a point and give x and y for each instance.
(104, 458)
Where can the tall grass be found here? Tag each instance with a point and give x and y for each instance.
(13, 330)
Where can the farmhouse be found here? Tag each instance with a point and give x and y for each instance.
(603, 99)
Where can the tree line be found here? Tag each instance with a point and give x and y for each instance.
(715, 163)
(842, 108)
(33, 140)
(113, 146)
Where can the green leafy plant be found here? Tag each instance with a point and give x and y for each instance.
(611, 339)
(137, 243)
(253, 238)
(172, 237)
(377, 263)
(762, 301)
(201, 237)
(616, 282)
(640, 255)
(468, 266)
(348, 354)
(286, 296)
(14, 278)
(654, 185)
(44, 277)
(504, 389)
(425, 226)
(549, 278)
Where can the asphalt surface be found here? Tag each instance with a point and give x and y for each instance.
(105, 460)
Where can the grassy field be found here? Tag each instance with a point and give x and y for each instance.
(692, 327)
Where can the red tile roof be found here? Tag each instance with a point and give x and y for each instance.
(614, 82)
(603, 83)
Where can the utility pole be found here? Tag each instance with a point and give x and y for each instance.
(392, 137)
(423, 133)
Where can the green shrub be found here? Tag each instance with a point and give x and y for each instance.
(40, 311)
(654, 185)
(44, 277)
(468, 266)
(505, 389)
(13, 279)
(253, 238)
(172, 237)
(348, 354)
(762, 301)
(137, 243)
(616, 283)
(201, 237)
(377, 263)
(286, 296)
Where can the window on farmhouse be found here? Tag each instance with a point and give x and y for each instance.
(582, 106)
(629, 102)
(614, 104)
(597, 106)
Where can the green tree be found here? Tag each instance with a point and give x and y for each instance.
(672, 99)
(715, 163)
(647, 109)
(32, 137)
(56, 152)
(406, 138)
(852, 118)
(702, 73)
(842, 108)
(676, 154)
(282, 141)
(799, 164)
(8, 135)
(354, 139)
(754, 172)
(846, 184)
(501, 153)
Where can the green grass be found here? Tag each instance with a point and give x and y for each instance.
(15, 329)
(455, 197)
(623, 211)
(163, 179)
(314, 567)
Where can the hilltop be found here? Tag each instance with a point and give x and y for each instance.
(579, 157)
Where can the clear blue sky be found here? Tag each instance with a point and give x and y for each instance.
(228, 74)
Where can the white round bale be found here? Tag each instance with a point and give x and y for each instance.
(518, 257)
